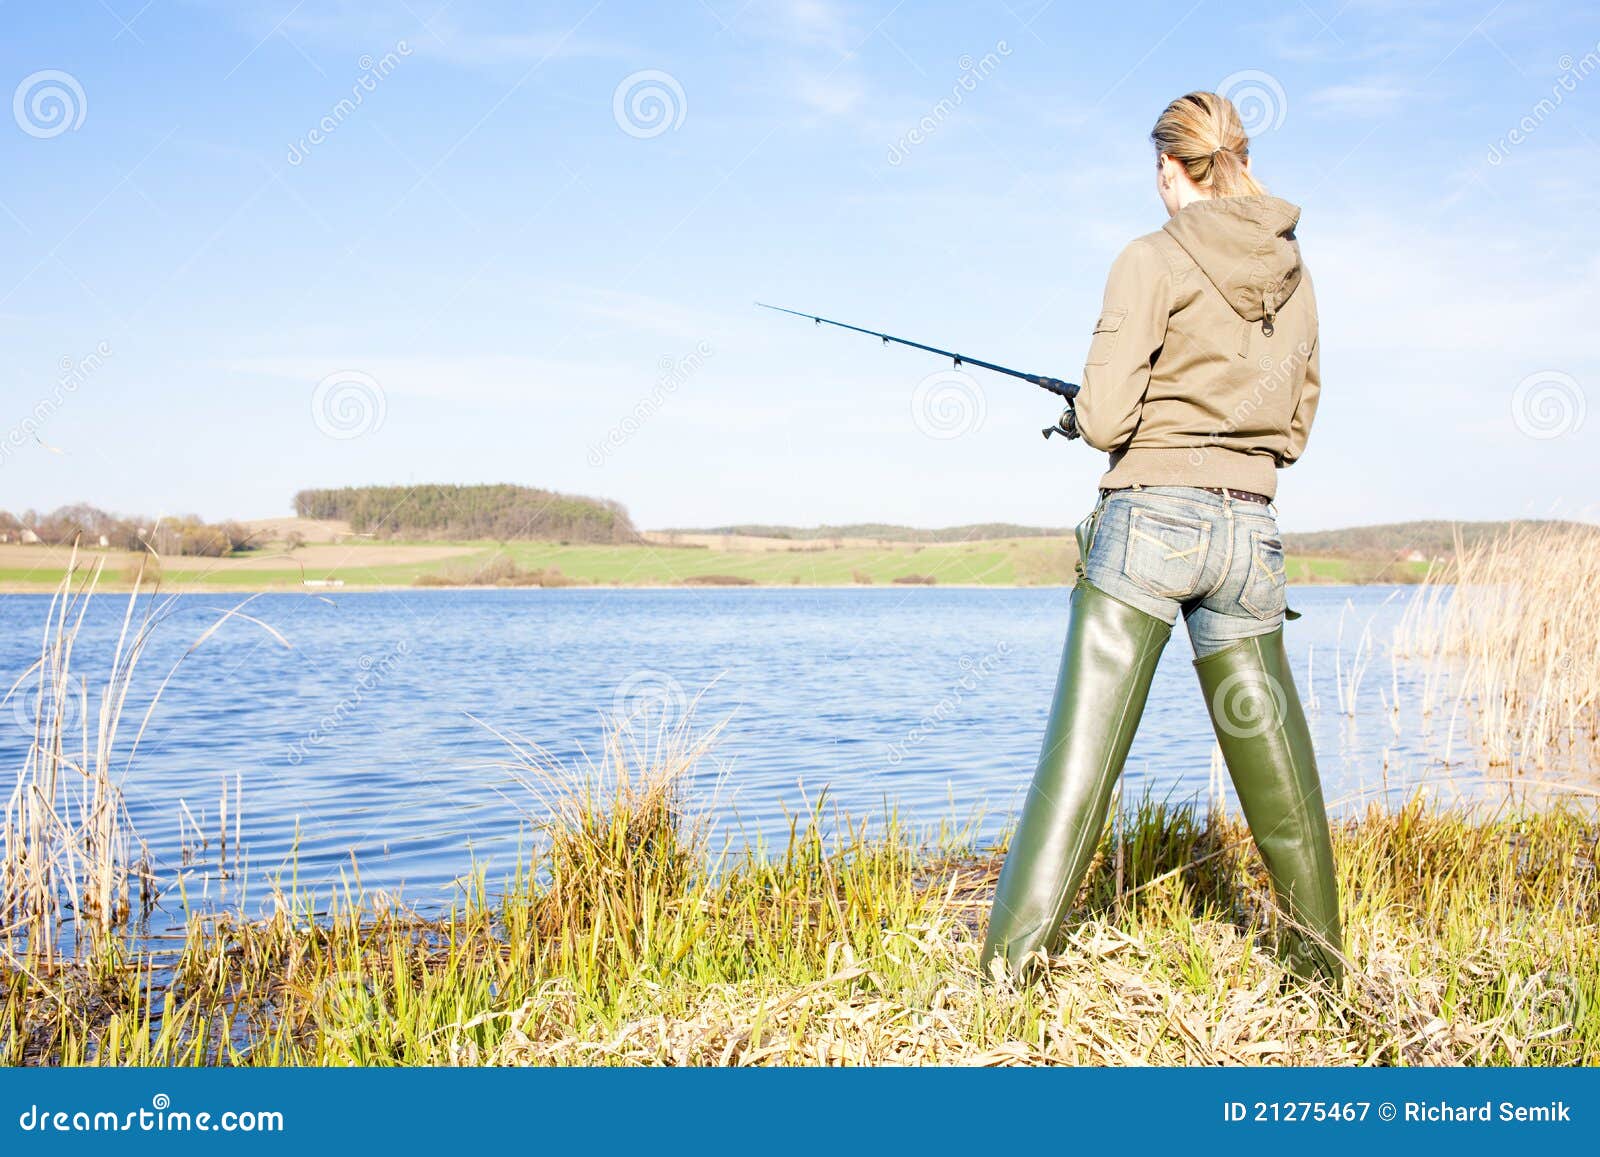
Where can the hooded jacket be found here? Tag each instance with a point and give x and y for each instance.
(1203, 368)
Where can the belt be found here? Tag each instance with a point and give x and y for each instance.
(1241, 495)
(1224, 491)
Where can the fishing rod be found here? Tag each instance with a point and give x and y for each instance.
(1066, 425)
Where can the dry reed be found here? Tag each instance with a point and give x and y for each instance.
(67, 842)
(1509, 635)
(67, 847)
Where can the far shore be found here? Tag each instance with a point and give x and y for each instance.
(118, 586)
(325, 558)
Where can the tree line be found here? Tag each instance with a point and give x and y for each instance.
(499, 512)
(184, 534)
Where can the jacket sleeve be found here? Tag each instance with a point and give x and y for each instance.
(1131, 328)
(1305, 406)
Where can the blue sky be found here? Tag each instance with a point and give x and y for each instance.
(499, 266)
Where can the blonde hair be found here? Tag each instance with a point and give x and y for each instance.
(1203, 133)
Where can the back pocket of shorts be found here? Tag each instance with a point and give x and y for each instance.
(1264, 583)
(1166, 552)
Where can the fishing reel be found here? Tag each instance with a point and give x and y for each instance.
(1066, 425)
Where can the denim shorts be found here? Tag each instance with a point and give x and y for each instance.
(1219, 560)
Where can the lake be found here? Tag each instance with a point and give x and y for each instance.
(367, 741)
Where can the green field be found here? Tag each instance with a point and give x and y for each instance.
(1033, 561)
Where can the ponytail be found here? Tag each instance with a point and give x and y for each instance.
(1203, 133)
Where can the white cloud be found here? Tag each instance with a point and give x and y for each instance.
(641, 312)
(462, 47)
(810, 23)
(442, 32)
(1367, 98)
(496, 378)
(832, 94)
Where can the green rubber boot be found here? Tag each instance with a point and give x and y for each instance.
(1262, 731)
(1106, 667)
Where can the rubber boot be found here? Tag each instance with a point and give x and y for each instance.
(1262, 731)
(1106, 667)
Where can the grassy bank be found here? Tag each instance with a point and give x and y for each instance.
(628, 937)
(1469, 943)
(1002, 562)
(631, 936)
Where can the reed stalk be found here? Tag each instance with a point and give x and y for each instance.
(1508, 639)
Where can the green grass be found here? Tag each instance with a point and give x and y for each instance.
(626, 941)
(1352, 571)
(989, 562)
(1006, 562)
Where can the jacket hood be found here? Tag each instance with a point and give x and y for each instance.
(1246, 246)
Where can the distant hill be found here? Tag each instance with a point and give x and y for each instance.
(977, 532)
(499, 512)
(1431, 539)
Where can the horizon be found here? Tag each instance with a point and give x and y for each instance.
(265, 247)
(1590, 517)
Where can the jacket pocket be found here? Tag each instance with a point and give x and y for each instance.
(1166, 552)
(1104, 342)
(1267, 578)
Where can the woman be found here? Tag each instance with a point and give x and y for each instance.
(1202, 381)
